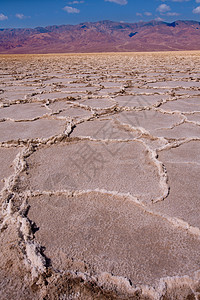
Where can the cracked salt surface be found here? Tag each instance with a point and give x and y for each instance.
(42, 128)
(183, 105)
(96, 165)
(182, 165)
(100, 176)
(21, 112)
(134, 243)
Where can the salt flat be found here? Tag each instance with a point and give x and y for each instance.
(100, 164)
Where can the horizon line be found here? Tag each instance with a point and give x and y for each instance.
(121, 22)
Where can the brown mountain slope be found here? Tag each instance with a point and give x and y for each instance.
(102, 36)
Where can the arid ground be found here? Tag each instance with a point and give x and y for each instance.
(100, 172)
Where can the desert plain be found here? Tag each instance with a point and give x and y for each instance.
(100, 172)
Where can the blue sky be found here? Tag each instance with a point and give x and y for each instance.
(33, 13)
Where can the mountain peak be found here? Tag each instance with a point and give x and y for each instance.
(103, 36)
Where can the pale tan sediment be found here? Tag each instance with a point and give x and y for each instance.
(100, 176)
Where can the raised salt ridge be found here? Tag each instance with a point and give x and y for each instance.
(99, 176)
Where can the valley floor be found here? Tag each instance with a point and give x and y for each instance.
(100, 172)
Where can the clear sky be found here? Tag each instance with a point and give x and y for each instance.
(33, 13)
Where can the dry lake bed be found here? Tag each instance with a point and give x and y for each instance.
(100, 173)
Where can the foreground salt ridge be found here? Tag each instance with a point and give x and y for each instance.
(33, 255)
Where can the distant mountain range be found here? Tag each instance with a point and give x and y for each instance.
(103, 36)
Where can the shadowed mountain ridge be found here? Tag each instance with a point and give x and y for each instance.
(102, 36)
